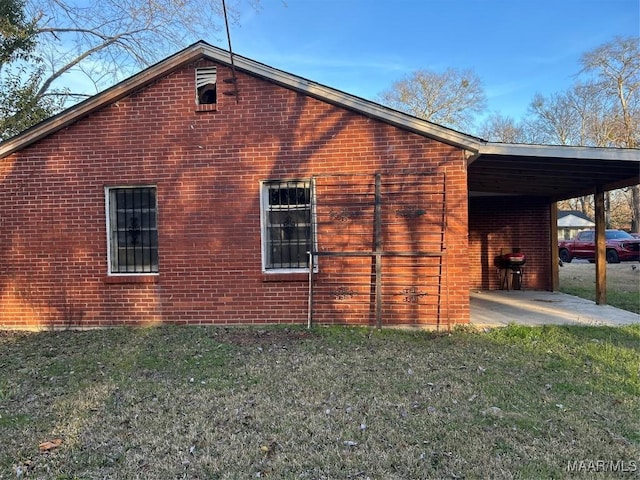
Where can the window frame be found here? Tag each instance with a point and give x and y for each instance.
(590, 237)
(264, 224)
(108, 216)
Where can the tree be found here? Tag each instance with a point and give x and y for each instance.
(616, 67)
(451, 98)
(103, 41)
(556, 118)
(500, 128)
(602, 109)
(16, 33)
(573, 117)
(20, 107)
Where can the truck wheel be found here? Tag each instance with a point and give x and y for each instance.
(612, 256)
(565, 256)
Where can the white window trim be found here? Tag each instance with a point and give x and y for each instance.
(108, 229)
(264, 209)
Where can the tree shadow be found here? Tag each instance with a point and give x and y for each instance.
(207, 167)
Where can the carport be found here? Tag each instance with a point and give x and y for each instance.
(546, 174)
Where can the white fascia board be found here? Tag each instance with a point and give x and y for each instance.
(346, 100)
(561, 151)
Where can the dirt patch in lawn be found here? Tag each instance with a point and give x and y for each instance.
(263, 337)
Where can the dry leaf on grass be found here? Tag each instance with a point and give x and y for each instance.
(268, 450)
(50, 445)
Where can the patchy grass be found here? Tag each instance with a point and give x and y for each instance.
(191, 402)
(623, 283)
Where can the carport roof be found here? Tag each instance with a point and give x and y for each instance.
(556, 172)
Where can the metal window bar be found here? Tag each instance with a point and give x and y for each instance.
(149, 230)
(134, 227)
(115, 232)
(133, 238)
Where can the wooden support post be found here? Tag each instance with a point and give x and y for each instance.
(378, 249)
(553, 245)
(601, 250)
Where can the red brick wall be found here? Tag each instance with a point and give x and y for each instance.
(411, 219)
(207, 167)
(505, 222)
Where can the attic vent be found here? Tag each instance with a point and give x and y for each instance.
(206, 85)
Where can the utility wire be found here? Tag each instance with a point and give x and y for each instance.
(233, 67)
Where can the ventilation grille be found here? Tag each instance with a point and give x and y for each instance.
(206, 86)
(205, 76)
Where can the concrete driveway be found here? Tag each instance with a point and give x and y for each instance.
(494, 308)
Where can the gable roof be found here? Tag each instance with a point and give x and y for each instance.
(575, 213)
(202, 50)
(574, 219)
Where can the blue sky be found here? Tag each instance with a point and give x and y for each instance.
(516, 47)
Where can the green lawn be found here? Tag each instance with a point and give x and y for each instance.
(332, 403)
(624, 300)
(623, 283)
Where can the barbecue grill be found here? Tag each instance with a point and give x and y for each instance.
(511, 271)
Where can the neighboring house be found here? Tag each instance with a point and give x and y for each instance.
(570, 222)
(193, 191)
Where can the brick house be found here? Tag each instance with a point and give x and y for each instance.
(206, 191)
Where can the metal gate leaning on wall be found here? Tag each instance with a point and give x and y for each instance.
(380, 250)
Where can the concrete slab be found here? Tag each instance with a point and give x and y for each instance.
(494, 308)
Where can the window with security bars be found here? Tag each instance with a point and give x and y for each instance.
(287, 210)
(133, 230)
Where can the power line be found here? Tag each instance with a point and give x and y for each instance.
(233, 67)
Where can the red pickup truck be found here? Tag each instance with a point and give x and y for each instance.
(620, 246)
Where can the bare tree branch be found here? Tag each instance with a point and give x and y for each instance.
(68, 66)
(111, 39)
(450, 98)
